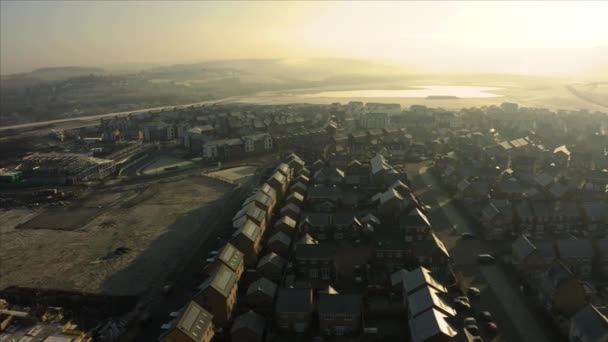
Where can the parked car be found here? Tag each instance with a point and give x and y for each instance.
(468, 236)
(462, 306)
(491, 328)
(485, 259)
(473, 329)
(470, 321)
(485, 316)
(473, 292)
(462, 298)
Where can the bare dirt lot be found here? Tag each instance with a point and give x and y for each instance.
(113, 243)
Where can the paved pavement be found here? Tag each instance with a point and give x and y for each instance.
(512, 302)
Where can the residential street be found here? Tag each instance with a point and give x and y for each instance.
(464, 252)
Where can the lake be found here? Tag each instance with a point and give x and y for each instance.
(414, 92)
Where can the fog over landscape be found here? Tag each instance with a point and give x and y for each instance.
(249, 171)
(179, 53)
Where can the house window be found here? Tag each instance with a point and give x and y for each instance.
(325, 273)
(313, 273)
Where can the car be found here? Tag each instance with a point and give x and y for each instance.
(467, 236)
(473, 292)
(491, 327)
(485, 316)
(470, 321)
(462, 298)
(485, 259)
(473, 329)
(461, 306)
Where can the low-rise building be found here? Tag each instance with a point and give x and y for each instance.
(560, 291)
(194, 324)
(218, 294)
(271, 266)
(339, 314)
(247, 239)
(294, 309)
(230, 257)
(315, 262)
(526, 258)
(261, 294)
(431, 326)
(279, 243)
(577, 255)
(248, 327)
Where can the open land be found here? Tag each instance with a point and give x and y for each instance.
(112, 242)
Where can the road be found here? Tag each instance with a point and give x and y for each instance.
(85, 119)
(512, 302)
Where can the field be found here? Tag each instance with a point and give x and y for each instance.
(115, 242)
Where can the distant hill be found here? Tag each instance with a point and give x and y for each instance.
(55, 73)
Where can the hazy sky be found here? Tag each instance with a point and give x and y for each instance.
(564, 36)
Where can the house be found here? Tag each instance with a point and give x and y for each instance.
(315, 262)
(296, 163)
(285, 170)
(286, 225)
(194, 324)
(279, 243)
(419, 278)
(257, 143)
(262, 201)
(431, 253)
(496, 219)
(248, 327)
(260, 295)
(247, 239)
(291, 210)
(230, 257)
(525, 217)
(561, 156)
(293, 311)
(302, 179)
(224, 149)
(560, 291)
(329, 175)
(526, 258)
(397, 279)
(431, 326)
(345, 225)
(389, 202)
(415, 225)
(339, 314)
(271, 192)
(324, 194)
(218, 294)
(250, 212)
(588, 325)
(318, 225)
(295, 198)
(577, 255)
(299, 187)
(424, 299)
(381, 172)
(271, 266)
(596, 216)
(279, 183)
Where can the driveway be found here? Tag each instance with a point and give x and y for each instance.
(512, 303)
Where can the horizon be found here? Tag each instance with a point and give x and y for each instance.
(457, 37)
